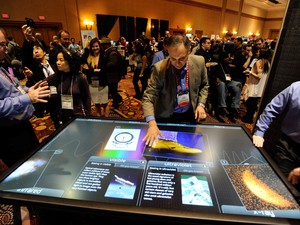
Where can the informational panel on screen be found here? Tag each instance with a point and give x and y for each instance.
(199, 168)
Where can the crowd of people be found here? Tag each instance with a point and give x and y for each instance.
(237, 71)
(177, 80)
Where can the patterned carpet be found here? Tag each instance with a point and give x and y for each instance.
(130, 108)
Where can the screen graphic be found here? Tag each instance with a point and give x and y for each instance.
(267, 194)
(123, 139)
(195, 190)
(179, 185)
(193, 170)
(177, 145)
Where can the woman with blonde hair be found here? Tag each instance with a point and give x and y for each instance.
(97, 80)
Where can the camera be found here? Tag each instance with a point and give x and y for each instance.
(30, 22)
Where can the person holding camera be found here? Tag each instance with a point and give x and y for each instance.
(36, 67)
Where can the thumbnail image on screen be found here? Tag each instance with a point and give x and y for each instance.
(120, 187)
(267, 194)
(195, 190)
(123, 139)
(178, 145)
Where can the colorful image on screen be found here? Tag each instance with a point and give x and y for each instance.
(121, 187)
(124, 143)
(267, 194)
(177, 145)
(123, 139)
(195, 190)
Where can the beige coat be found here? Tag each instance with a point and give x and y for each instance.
(159, 98)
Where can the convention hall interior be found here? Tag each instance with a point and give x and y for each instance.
(220, 20)
(198, 17)
(217, 19)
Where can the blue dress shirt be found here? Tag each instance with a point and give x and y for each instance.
(288, 99)
(14, 106)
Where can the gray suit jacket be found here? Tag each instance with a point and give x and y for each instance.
(159, 98)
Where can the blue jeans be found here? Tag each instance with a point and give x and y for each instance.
(235, 88)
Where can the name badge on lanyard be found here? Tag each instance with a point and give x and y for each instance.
(53, 90)
(66, 102)
(183, 99)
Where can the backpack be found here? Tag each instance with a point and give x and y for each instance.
(121, 66)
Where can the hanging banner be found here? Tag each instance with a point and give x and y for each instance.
(87, 35)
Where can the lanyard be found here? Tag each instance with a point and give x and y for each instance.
(71, 88)
(5, 74)
(185, 72)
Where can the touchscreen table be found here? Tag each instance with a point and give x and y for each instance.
(193, 172)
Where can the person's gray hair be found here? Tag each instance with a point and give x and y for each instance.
(177, 39)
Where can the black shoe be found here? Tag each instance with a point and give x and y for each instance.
(222, 111)
(39, 114)
(115, 105)
(220, 118)
(234, 112)
(138, 97)
(245, 120)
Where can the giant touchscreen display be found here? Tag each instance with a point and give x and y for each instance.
(193, 168)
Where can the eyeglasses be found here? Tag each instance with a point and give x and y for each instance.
(3, 44)
(66, 39)
(181, 60)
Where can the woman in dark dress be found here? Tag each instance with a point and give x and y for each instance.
(72, 89)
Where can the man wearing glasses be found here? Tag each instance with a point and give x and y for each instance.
(177, 90)
(17, 137)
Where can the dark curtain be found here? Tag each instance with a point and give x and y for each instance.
(154, 28)
(141, 25)
(123, 27)
(164, 26)
(105, 23)
(130, 29)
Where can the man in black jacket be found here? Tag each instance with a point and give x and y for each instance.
(38, 68)
(205, 51)
(111, 69)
